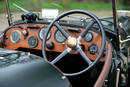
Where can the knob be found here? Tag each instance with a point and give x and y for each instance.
(50, 45)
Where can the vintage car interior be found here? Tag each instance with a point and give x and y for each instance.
(84, 52)
(78, 49)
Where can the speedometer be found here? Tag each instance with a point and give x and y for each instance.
(42, 31)
(59, 37)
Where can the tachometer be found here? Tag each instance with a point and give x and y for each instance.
(43, 31)
(59, 37)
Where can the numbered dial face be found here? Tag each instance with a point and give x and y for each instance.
(32, 41)
(93, 49)
(15, 36)
(59, 37)
(42, 31)
(88, 37)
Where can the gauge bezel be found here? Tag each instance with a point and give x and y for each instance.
(45, 32)
(11, 38)
(91, 38)
(55, 37)
(90, 47)
(35, 43)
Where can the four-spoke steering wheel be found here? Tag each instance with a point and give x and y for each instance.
(74, 43)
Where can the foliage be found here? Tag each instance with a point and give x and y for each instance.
(61, 5)
(2, 6)
(80, 5)
(126, 2)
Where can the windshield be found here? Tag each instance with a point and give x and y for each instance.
(100, 8)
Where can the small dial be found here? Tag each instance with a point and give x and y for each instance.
(32, 41)
(88, 37)
(93, 49)
(15, 36)
(59, 37)
(42, 31)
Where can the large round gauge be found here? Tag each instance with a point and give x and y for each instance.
(59, 37)
(32, 41)
(88, 37)
(42, 31)
(93, 49)
(15, 36)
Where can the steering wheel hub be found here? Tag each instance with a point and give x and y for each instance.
(72, 42)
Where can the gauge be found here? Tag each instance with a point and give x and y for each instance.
(32, 41)
(59, 37)
(15, 36)
(88, 37)
(93, 49)
(42, 31)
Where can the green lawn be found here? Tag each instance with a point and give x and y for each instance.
(88, 6)
(2, 6)
(74, 5)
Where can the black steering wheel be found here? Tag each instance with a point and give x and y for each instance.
(74, 43)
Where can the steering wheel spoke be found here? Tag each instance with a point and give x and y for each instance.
(84, 56)
(61, 55)
(87, 28)
(61, 30)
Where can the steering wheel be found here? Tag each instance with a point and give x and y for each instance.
(74, 43)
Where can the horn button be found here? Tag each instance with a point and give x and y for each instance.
(72, 42)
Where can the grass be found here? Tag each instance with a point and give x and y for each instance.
(88, 6)
(12, 8)
(77, 5)
(2, 6)
(55, 5)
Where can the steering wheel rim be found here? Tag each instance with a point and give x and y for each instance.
(79, 39)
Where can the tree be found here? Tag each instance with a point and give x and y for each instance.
(126, 2)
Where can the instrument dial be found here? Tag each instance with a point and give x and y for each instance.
(59, 37)
(42, 31)
(15, 36)
(32, 41)
(93, 49)
(88, 37)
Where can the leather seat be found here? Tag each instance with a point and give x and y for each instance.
(25, 70)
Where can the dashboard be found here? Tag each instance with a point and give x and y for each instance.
(30, 36)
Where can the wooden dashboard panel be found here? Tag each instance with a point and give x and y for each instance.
(58, 47)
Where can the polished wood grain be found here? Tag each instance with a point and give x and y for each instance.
(58, 47)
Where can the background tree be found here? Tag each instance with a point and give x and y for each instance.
(126, 2)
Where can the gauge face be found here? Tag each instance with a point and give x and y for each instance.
(32, 41)
(93, 49)
(88, 37)
(15, 36)
(42, 31)
(59, 37)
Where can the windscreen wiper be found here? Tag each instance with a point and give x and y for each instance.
(24, 10)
